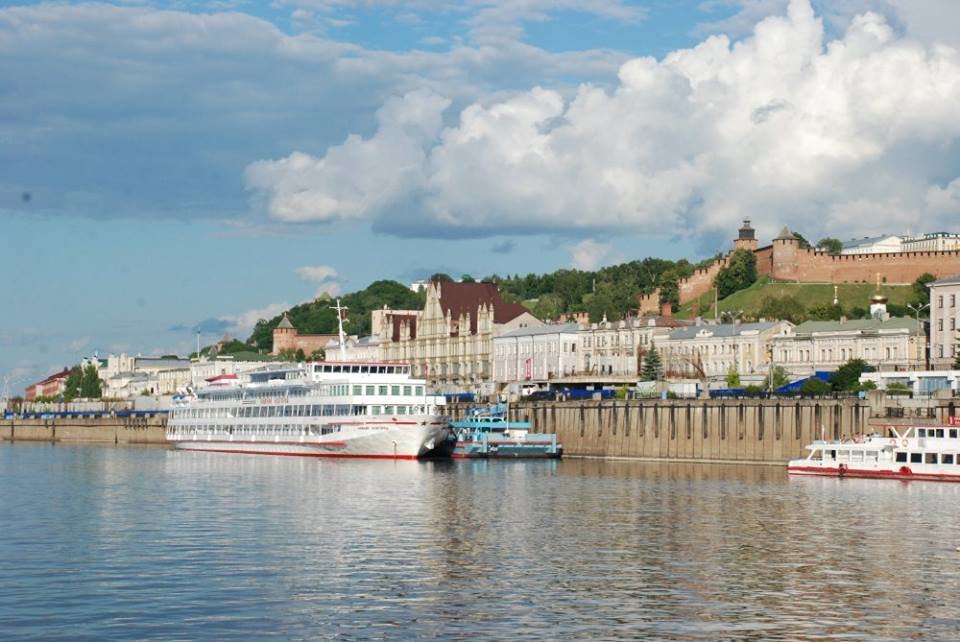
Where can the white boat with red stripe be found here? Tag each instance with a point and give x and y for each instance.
(922, 453)
(328, 409)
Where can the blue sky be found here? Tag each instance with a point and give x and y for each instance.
(173, 164)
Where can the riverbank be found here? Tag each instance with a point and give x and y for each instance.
(110, 430)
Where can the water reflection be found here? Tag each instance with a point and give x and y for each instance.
(113, 542)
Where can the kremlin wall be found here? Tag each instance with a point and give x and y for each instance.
(785, 260)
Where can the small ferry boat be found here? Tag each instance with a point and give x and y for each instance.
(329, 409)
(927, 453)
(486, 433)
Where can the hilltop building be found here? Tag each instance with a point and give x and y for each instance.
(287, 337)
(784, 260)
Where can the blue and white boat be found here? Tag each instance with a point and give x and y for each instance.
(486, 433)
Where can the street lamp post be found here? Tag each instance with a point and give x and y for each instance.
(918, 310)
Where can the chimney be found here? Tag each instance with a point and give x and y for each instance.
(666, 310)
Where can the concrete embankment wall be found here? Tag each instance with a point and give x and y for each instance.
(749, 430)
(111, 430)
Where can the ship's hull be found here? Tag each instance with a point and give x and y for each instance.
(903, 473)
(383, 441)
(480, 447)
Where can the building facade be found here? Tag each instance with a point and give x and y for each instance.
(886, 344)
(944, 309)
(617, 348)
(535, 355)
(932, 242)
(711, 351)
(449, 342)
(52, 386)
(873, 245)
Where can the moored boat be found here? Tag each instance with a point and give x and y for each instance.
(923, 453)
(486, 433)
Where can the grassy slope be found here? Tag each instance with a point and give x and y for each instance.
(810, 294)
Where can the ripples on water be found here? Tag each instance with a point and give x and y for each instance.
(158, 544)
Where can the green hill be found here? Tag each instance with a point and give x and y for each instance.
(850, 295)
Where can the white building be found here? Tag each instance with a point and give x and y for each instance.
(711, 351)
(873, 245)
(887, 344)
(944, 310)
(919, 382)
(535, 355)
(355, 349)
(616, 348)
(932, 242)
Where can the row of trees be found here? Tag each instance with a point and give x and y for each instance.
(83, 383)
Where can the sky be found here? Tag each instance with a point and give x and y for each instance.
(174, 167)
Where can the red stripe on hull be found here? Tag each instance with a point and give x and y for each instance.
(871, 474)
(260, 452)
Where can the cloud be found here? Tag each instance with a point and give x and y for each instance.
(323, 276)
(78, 344)
(504, 247)
(589, 255)
(785, 127)
(241, 325)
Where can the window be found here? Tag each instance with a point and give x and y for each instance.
(382, 390)
(916, 458)
(953, 300)
(953, 433)
(401, 410)
(946, 458)
(419, 391)
(931, 458)
(370, 390)
(939, 324)
(375, 409)
(388, 410)
(395, 391)
(940, 301)
(406, 391)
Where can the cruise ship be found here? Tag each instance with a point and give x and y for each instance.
(327, 409)
(923, 453)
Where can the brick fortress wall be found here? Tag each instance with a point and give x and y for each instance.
(785, 260)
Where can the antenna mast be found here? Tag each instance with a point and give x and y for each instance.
(343, 340)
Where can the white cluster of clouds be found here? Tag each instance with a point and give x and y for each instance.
(241, 325)
(590, 255)
(837, 136)
(323, 277)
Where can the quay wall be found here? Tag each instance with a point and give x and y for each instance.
(108, 430)
(737, 430)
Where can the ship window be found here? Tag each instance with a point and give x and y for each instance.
(916, 458)
(358, 390)
(406, 391)
(931, 458)
(419, 391)
(921, 432)
(856, 455)
(383, 390)
(401, 410)
(327, 410)
(375, 409)
(940, 433)
(343, 410)
(395, 390)
(359, 410)
(946, 458)
(953, 433)
(388, 410)
(843, 454)
(872, 455)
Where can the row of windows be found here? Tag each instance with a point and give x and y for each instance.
(953, 302)
(271, 430)
(928, 458)
(937, 433)
(326, 410)
(326, 390)
(953, 323)
(902, 457)
(361, 369)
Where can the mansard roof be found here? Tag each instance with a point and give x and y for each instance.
(464, 298)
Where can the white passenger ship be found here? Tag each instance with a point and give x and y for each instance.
(328, 409)
(929, 453)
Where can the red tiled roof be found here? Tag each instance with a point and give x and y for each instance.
(465, 298)
(399, 319)
(63, 374)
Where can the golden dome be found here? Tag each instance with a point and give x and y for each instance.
(878, 298)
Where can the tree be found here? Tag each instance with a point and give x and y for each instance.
(299, 355)
(921, 293)
(548, 306)
(826, 312)
(830, 245)
(652, 367)
(466, 278)
(733, 378)
(440, 276)
(317, 355)
(815, 387)
(71, 389)
(956, 356)
(90, 385)
(738, 274)
(776, 378)
(847, 376)
(786, 308)
(804, 243)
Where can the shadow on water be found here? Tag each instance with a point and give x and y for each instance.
(147, 543)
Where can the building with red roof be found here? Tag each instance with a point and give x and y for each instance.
(52, 386)
(449, 341)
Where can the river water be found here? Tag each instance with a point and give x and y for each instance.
(142, 543)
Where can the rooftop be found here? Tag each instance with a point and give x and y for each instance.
(949, 280)
(722, 329)
(560, 328)
(892, 324)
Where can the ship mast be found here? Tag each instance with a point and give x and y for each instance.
(343, 341)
